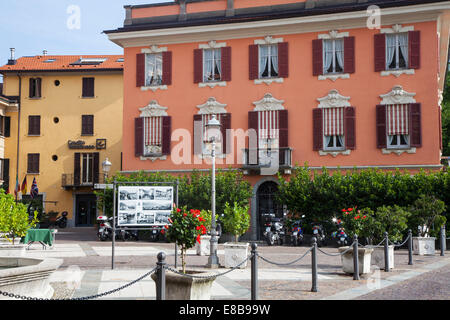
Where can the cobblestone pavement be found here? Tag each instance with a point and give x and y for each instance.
(80, 249)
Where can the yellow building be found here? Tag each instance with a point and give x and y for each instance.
(67, 121)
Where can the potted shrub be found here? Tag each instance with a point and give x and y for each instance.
(235, 220)
(390, 219)
(202, 248)
(427, 218)
(356, 222)
(14, 224)
(186, 228)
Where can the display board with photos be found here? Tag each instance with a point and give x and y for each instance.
(144, 206)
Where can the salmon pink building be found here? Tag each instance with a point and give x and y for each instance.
(345, 83)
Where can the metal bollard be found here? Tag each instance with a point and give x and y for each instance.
(410, 248)
(161, 274)
(386, 252)
(355, 258)
(254, 271)
(314, 265)
(443, 239)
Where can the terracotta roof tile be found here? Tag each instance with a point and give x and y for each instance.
(63, 63)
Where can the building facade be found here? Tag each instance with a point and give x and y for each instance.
(66, 120)
(328, 83)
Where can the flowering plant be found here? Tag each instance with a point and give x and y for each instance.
(357, 221)
(186, 228)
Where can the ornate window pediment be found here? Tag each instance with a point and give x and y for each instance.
(397, 96)
(212, 106)
(334, 100)
(154, 49)
(153, 109)
(268, 103)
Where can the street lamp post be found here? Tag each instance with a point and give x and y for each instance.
(106, 166)
(213, 128)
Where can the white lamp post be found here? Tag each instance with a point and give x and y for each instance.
(213, 132)
(106, 166)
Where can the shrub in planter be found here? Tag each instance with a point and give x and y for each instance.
(390, 219)
(236, 219)
(203, 247)
(357, 221)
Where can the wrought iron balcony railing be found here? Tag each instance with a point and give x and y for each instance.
(280, 158)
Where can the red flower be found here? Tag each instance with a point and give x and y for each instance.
(343, 210)
(178, 210)
(166, 226)
(184, 214)
(350, 209)
(198, 238)
(356, 218)
(163, 231)
(364, 217)
(201, 219)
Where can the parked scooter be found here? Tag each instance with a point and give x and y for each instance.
(105, 230)
(274, 230)
(297, 233)
(319, 234)
(61, 221)
(340, 235)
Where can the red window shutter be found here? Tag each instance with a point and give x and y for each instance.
(253, 124)
(96, 165)
(225, 127)
(140, 70)
(166, 134)
(414, 49)
(349, 54)
(317, 130)
(381, 126)
(167, 68)
(252, 144)
(415, 125)
(198, 134)
(198, 65)
(380, 52)
(283, 59)
(317, 53)
(253, 64)
(226, 63)
(440, 128)
(283, 128)
(350, 128)
(138, 137)
(77, 169)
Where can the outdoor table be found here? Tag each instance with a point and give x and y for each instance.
(43, 236)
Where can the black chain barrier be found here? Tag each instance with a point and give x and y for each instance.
(337, 254)
(284, 264)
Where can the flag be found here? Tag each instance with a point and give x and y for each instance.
(17, 189)
(24, 185)
(34, 189)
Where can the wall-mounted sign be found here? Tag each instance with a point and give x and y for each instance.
(80, 144)
(100, 144)
(144, 206)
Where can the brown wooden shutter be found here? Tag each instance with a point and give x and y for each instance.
(33, 163)
(349, 54)
(415, 125)
(283, 128)
(198, 65)
(88, 88)
(253, 63)
(38, 87)
(381, 126)
(317, 53)
(253, 124)
(350, 128)
(166, 134)
(34, 125)
(140, 70)
(317, 129)
(96, 165)
(198, 134)
(77, 169)
(87, 124)
(226, 63)
(7, 127)
(32, 88)
(5, 171)
(225, 128)
(414, 49)
(283, 59)
(380, 52)
(138, 137)
(167, 68)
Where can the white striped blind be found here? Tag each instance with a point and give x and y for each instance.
(333, 121)
(397, 117)
(153, 131)
(268, 124)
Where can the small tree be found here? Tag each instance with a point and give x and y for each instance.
(426, 215)
(357, 222)
(14, 220)
(236, 219)
(390, 219)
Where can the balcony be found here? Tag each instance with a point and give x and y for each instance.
(68, 181)
(265, 161)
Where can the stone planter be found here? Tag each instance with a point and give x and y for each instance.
(235, 253)
(12, 250)
(179, 287)
(377, 257)
(424, 245)
(364, 257)
(203, 248)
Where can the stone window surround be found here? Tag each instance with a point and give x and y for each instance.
(333, 34)
(212, 45)
(153, 109)
(265, 41)
(153, 49)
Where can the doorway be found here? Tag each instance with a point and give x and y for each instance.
(267, 205)
(86, 210)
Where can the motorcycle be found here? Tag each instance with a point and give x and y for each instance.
(105, 231)
(274, 231)
(319, 234)
(61, 221)
(297, 233)
(340, 235)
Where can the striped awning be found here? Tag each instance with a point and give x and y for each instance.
(268, 124)
(152, 131)
(333, 121)
(397, 117)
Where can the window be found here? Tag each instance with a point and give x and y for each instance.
(35, 87)
(153, 69)
(268, 61)
(396, 51)
(152, 135)
(87, 168)
(87, 125)
(397, 119)
(333, 56)
(2, 125)
(33, 163)
(212, 59)
(88, 88)
(34, 125)
(333, 128)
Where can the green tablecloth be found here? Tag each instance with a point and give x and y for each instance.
(39, 235)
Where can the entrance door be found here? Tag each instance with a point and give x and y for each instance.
(86, 210)
(267, 206)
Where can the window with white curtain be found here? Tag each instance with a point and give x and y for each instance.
(212, 64)
(153, 69)
(268, 61)
(333, 56)
(396, 51)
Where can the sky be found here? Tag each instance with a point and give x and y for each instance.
(62, 27)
